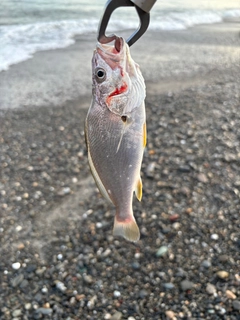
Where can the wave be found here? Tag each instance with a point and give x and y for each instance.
(20, 42)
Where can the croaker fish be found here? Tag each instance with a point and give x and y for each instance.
(115, 131)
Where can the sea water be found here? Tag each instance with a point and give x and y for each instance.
(28, 26)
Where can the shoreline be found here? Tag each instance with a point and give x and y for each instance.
(54, 77)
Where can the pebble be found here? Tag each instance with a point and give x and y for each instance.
(99, 225)
(39, 272)
(230, 295)
(17, 280)
(137, 255)
(143, 293)
(211, 311)
(223, 274)
(44, 290)
(116, 294)
(168, 285)
(136, 265)
(162, 251)
(117, 316)
(214, 236)
(38, 297)
(106, 253)
(107, 316)
(186, 285)
(60, 286)
(176, 225)
(21, 246)
(64, 191)
(18, 228)
(189, 210)
(91, 302)
(74, 180)
(211, 289)
(87, 278)
(131, 318)
(223, 258)
(206, 264)
(24, 284)
(45, 311)
(17, 313)
(202, 178)
(174, 217)
(236, 304)
(221, 310)
(31, 267)
(28, 306)
(150, 169)
(72, 300)
(184, 168)
(170, 315)
(16, 265)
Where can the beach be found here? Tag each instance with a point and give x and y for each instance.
(59, 259)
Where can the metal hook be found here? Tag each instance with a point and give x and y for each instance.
(111, 5)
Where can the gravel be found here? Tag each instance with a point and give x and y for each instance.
(59, 259)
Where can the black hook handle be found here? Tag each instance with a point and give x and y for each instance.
(111, 5)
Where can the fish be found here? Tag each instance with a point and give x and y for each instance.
(115, 131)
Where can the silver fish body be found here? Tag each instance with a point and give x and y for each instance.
(115, 131)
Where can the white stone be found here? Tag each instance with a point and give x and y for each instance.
(44, 290)
(214, 236)
(117, 294)
(16, 265)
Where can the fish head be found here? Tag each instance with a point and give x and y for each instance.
(117, 80)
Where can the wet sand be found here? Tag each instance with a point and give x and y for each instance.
(58, 257)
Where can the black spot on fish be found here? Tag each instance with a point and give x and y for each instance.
(124, 118)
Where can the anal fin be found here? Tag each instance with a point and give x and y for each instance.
(138, 189)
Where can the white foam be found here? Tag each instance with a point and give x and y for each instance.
(234, 13)
(184, 20)
(20, 42)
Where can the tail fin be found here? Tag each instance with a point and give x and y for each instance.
(127, 229)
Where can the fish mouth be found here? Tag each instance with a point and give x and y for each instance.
(115, 49)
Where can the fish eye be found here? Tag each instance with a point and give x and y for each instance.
(100, 74)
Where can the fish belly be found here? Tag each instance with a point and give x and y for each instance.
(116, 151)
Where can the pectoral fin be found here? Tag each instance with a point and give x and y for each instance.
(98, 180)
(138, 189)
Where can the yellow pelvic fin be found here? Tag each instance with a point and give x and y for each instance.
(127, 229)
(144, 134)
(138, 189)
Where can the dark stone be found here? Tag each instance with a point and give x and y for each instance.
(186, 285)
